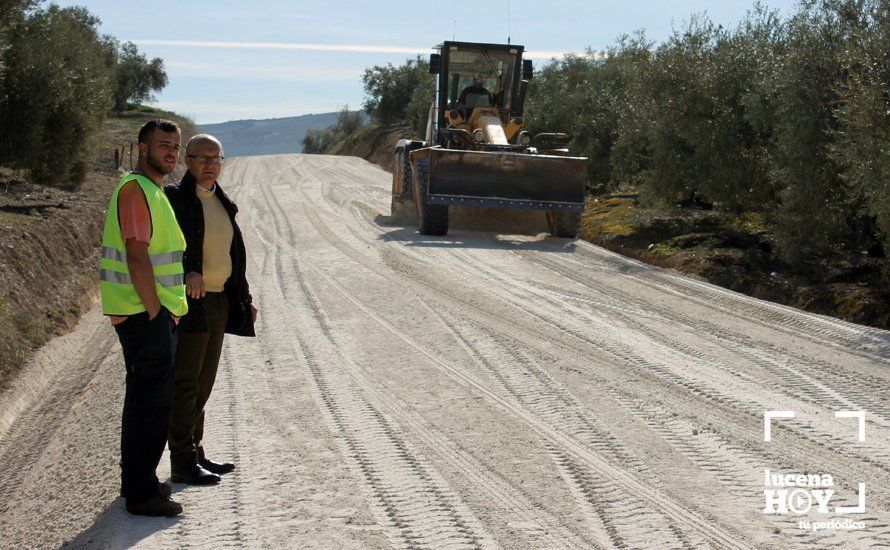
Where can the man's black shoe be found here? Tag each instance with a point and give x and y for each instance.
(216, 467)
(155, 506)
(163, 488)
(196, 475)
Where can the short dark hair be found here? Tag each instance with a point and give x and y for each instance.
(159, 123)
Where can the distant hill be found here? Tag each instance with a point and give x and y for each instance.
(241, 138)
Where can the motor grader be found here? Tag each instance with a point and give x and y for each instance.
(476, 153)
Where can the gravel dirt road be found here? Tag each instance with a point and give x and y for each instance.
(474, 390)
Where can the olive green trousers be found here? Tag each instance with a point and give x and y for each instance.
(197, 360)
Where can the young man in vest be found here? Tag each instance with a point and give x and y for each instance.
(219, 302)
(143, 292)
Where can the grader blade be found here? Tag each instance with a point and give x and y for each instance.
(506, 180)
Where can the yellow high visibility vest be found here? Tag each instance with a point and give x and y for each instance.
(165, 251)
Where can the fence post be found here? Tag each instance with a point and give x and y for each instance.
(131, 155)
(117, 163)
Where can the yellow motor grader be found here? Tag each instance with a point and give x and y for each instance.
(476, 153)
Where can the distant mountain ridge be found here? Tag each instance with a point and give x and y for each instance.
(241, 138)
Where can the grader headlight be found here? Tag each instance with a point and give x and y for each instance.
(524, 139)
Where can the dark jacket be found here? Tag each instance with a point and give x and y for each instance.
(190, 215)
(477, 91)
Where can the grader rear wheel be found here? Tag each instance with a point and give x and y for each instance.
(402, 198)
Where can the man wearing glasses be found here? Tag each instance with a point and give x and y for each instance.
(219, 302)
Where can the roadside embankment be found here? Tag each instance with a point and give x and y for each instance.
(733, 251)
(49, 242)
(736, 252)
(373, 143)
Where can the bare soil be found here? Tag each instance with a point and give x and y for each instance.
(374, 144)
(49, 238)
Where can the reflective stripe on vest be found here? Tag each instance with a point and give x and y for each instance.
(165, 252)
(156, 259)
(124, 278)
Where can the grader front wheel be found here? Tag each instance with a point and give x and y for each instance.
(564, 224)
(432, 219)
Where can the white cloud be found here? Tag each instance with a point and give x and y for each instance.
(353, 48)
(292, 16)
(350, 48)
(187, 69)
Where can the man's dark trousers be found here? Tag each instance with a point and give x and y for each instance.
(197, 360)
(149, 347)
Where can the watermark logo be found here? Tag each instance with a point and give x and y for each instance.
(800, 494)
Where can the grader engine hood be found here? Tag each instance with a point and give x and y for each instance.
(505, 179)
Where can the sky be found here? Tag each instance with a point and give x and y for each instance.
(230, 60)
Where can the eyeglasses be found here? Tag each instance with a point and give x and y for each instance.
(207, 160)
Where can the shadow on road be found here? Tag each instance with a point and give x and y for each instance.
(479, 228)
(877, 343)
(116, 528)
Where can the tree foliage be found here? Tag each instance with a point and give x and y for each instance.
(399, 95)
(804, 85)
(11, 12)
(56, 91)
(787, 117)
(576, 96)
(317, 141)
(58, 79)
(136, 78)
(862, 140)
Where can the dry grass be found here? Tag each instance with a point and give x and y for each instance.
(49, 240)
(736, 252)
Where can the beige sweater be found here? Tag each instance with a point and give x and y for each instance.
(217, 263)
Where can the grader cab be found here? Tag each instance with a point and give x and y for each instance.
(476, 153)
